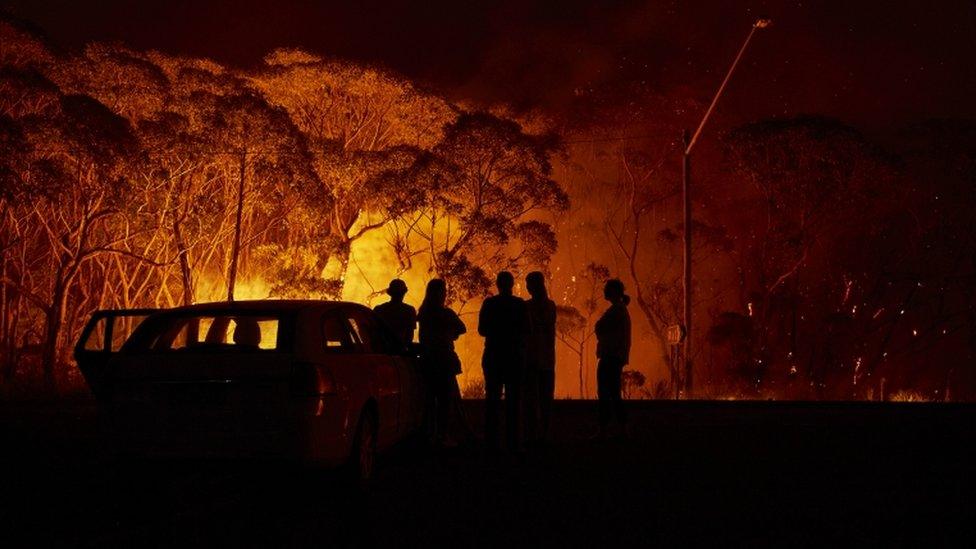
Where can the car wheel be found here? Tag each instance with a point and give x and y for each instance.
(363, 459)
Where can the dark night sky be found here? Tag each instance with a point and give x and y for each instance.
(870, 62)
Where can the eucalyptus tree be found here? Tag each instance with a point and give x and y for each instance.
(817, 183)
(486, 200)
(273, 170)
(363, 127)
(574, 326)
(123, 80)
(87, 149)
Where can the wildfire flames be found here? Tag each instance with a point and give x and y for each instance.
(139, 179)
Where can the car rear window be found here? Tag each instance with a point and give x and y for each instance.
(121, 324)
(233, 332)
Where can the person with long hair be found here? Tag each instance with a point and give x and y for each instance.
(439, 329)
(613, 353)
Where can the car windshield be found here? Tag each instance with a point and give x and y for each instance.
(231, 332)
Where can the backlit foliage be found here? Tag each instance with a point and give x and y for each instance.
(823, 267)
(128, 177)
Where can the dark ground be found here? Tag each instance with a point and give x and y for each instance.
(725, 473)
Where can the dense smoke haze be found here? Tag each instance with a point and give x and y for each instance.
(872, 63)
(835, 255)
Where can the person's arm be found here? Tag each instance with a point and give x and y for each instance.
(551, 319)
(627, 336)
(484, 318)
(616, 320)
(459, 327)
(413, 323)
(601, 324)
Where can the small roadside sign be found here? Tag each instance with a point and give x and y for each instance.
(676, 334)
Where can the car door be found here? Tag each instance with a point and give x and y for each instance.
(386, 376)
(102, 337)
(210, 379)
(348, 366)
(404, 360)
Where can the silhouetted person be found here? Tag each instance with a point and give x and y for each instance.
(247, 333)
(613, 352)
(439, 328)
(399, 316)
(540, 371)
(504, 323)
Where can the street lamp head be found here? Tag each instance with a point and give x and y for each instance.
(762, 23)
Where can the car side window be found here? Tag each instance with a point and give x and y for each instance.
(335, 335)
(360, 332)
(220, 332)
(122, 328)
(373, 335)
(96, 338)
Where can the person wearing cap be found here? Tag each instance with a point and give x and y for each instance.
(399, 316)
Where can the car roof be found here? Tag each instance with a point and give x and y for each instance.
(262, 305)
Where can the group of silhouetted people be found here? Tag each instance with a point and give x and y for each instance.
(519, 360)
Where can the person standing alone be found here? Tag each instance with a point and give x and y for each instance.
(504, 324)
(613, 353)
(540, 371)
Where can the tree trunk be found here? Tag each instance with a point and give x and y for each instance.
(582, 364)
(13, 352)
(236, 250)
(52, 334)
(6, 352)
(183, 253)
(344, 253)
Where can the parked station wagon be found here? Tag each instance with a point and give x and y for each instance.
(323, 381)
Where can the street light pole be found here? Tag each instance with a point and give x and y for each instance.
(687, 144)
(686, 258)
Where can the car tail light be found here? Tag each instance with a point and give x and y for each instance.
(310, 379)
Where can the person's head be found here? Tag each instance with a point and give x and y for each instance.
(613, 291)
(535, 283)
(397, 289)
(436, 295)
(247, 332)
(505, 282)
